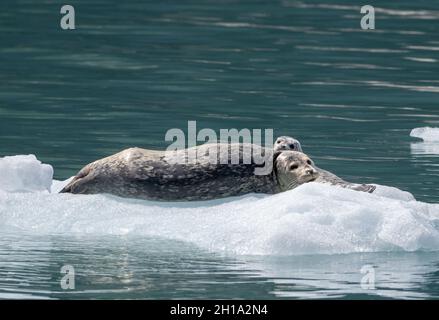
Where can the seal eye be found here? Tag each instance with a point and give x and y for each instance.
(292, 146)
(294, 167)
(309, 162)
(278, 141)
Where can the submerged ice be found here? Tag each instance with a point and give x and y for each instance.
(310, 219)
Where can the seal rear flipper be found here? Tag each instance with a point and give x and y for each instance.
(71, 186)
(66, 189)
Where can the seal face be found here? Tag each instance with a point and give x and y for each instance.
(293, 169)
(289, 143)
(158, 175)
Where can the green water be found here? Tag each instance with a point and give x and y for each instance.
(134, 69)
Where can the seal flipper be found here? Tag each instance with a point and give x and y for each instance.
(71, 187)
(365, 188)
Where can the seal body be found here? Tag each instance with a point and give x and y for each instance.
(157, 175)
(289, 143)
(209, 171)
(168, 175)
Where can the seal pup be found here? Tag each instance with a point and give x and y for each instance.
(163, 175)
(289, 143)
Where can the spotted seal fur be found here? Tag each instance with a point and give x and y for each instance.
(157, 175)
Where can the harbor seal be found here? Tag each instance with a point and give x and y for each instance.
(156, 175)
(289, 143)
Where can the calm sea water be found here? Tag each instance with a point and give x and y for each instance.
(134, 69)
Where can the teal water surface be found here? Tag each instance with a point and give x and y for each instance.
(134, 69)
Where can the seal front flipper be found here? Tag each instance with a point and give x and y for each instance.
(364, 188)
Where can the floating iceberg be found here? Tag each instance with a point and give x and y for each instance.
(430, 143)
(311, 219)
(426, 133)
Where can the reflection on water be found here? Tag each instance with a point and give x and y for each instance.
(139, 268)
(425, 155)
(425, 148)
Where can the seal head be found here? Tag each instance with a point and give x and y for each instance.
(287, 143)
(293, 168)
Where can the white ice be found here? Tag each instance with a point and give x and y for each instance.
(311, 219)
(430, 141)
(24, 173)
(427, 134)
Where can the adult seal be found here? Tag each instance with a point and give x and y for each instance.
(289, 143)
(165, 175)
